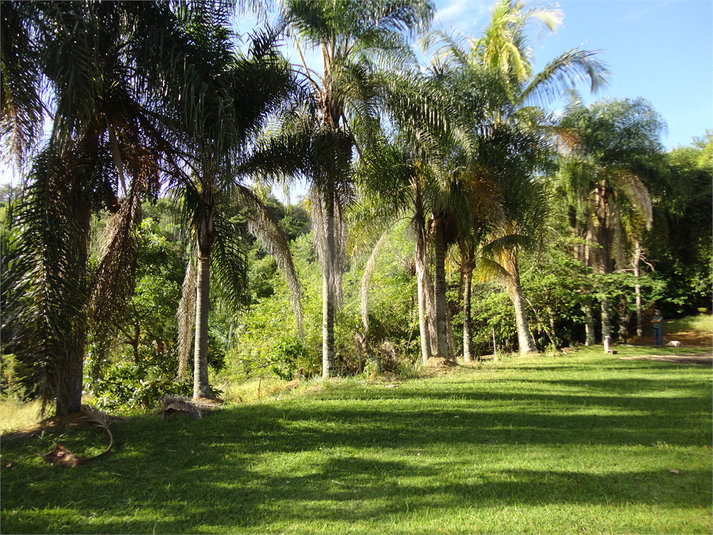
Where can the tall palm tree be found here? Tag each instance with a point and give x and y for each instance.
(403, 171)
(604, 148)
(106, 66)
(355, 40)
(503, 57)
(79, 52)
(219, 106)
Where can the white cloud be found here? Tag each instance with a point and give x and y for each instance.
(463, 15)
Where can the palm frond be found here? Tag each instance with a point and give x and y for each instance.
(186, 315)
(114, 278)
(563, 73)
(637, 193)
(52, 250)
(229, 263)
(488, 269)
(266, 228)
(21, 105)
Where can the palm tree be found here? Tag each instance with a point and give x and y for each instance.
(604, 147)
(107, 66)
(355, 40)
(502, 58)
(97, 138)
(219, 106)
(403, 170)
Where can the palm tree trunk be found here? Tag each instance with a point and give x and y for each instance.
(70, 372)
(623, 310)
(440, 285)
(422, 284)
(637, 289)
(328, 290)
(467, 334)
(514, 289)
(590, 336)
(201, 387)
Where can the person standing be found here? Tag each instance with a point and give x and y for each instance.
(657, 321)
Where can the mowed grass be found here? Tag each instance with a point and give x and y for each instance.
(582, 443)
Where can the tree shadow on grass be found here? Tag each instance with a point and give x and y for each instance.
(357, 461)
(339, 490)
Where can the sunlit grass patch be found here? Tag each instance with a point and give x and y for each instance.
(15, 414)
(701, 323)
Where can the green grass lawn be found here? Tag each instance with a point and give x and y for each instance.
(582, 443)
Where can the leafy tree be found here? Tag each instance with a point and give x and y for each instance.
(142, 365)
(679, 245)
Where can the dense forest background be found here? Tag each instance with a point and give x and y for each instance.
(448, 215)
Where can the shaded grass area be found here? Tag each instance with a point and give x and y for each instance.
(580, 443)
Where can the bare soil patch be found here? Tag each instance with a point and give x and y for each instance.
(706, 360)
(687, 339)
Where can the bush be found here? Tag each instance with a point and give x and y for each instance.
(131, 386)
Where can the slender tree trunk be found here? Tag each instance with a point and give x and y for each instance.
(429, 292)
(449, 331)
(524, 338)
(422, 285)
(201, 387)
(590, 335)
(467, 334)
(328, 290)
(514, 289)
(553, 336)
(623, 310)
(637, 289)
(440, 285)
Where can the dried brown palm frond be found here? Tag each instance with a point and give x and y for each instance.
(366, 280)
(319, 228)
(186, 315)
(180, 405)
(114, 280)
(62, 456)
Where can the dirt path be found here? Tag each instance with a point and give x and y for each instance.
(706, 360)
(695, 339)
(687, 339)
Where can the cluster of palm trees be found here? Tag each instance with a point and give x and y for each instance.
(153, 96)
(143, 96)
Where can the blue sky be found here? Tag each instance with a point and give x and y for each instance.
(660, 50)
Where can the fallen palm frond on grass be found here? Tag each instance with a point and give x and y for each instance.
(173, 405)
(64, 457)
